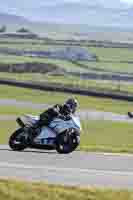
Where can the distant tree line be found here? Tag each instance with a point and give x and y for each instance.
(23, 30)
(3, 29)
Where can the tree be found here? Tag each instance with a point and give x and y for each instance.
(23, 30)
(3, 29)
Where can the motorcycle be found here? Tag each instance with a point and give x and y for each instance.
(61, 135)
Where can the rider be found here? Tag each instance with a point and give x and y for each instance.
(63, 111)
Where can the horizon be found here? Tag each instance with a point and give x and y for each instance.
(115, 13)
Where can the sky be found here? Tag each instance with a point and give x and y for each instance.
(78, 10)
(128, 1)
(29, 4)
(33, 3)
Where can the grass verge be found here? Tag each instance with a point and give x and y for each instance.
(12, 189)
(64, 64)
(113, 54)
(71, 81)
(12, 110)
(107, 136)
(6, 129)
(36, 96)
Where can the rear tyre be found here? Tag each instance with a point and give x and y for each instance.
(15, 142)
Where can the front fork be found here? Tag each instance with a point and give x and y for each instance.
(20, 122)
(22, 125)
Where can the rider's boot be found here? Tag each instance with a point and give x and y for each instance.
(130, 115)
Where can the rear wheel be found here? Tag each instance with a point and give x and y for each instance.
(15, 141)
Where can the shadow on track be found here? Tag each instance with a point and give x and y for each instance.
(30, 151)
(43, 151)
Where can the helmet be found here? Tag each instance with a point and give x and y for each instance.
(72, 104)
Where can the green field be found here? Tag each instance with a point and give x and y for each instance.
(6, 129)
(109, 66)
(26, 46)
(113, 54)
(64, 64)
(31, 45)
(107, 136)
(35, 46)
(16, 110)
(109, 61)
(96, 135)
(116, 86)
(109, 58)
(104, 54)
(20, 190)
(85, 102)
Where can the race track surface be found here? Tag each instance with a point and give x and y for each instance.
(77, 168)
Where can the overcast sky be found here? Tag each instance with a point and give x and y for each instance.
(29, 4)
(128, 1)
(39, 9)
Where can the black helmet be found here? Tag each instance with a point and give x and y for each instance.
(72, 103)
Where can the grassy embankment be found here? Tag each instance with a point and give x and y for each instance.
(12, 189)
(113, 54)
(109, 60)
(106, 136)
(69, 81)
(36, 96)
(64, 64)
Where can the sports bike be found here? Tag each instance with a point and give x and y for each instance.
(61, 135)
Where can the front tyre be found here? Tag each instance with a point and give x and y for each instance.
(15, 142)
(66, 143)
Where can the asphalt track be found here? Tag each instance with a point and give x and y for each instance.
(76, 169)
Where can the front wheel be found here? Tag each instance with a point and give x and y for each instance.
(15, 142)
(66, 143)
